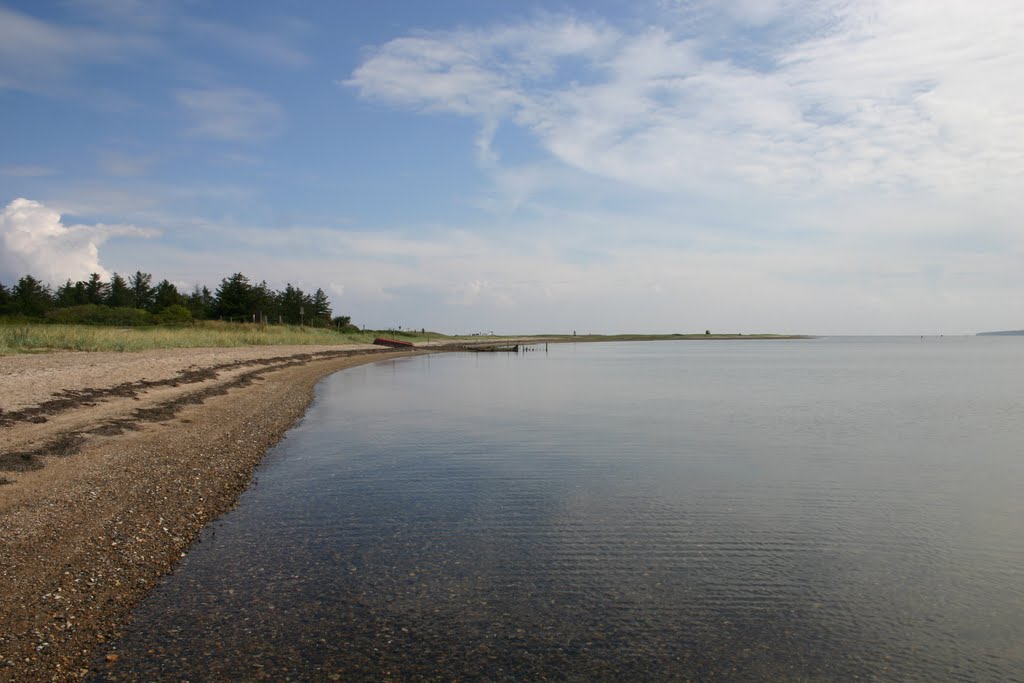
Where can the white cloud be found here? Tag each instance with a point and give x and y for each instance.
(896, 96)
(259, 46)
(133, 13)
(615, 273)
(34, 54)
(233, 114)
(125, 165)
(29, 171)
(36, 242)
(477, 73)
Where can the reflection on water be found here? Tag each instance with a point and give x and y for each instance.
(821, 509)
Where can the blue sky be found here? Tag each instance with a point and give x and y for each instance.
(670, 166)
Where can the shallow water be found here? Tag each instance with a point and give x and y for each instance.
(820, 509)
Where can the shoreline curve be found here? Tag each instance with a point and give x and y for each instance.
(113, 466)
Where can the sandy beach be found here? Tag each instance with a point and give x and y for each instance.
(111, 465)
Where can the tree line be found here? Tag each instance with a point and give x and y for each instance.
(135, 300)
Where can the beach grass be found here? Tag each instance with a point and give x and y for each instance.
(37, 338)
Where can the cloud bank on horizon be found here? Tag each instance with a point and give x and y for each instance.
(752, 165)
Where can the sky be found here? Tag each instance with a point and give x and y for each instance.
(828, 167)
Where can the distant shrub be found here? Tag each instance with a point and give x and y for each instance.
(174, 315)
(92, 314)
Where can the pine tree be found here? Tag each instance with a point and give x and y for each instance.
(96, 290)
(142, 292)
(292, 305)
(119, 295)
(70, 294)
(234, 298)
(31, 297)
(264, 302)
(5, 300)
(321, 308)
(165, 295)
(200, 302)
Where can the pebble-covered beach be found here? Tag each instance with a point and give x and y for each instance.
(111, 464)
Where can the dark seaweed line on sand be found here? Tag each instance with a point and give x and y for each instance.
(73, 398)
(69, 443)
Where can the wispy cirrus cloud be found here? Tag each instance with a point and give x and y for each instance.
(844, 162)
(28, 171)
(125, 165)
(264, 47)
(231, 114)
(41, 55)
(137, 14)
(888, 95)
(35, 55)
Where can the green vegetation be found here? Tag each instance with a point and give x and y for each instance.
(136, 301)
(36, 337)
(132, 314)
(27, 338)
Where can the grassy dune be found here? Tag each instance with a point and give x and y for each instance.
(30, 338)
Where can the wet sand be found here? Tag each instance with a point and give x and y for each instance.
(111, 464)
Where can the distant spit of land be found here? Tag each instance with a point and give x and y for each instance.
(668, 337)
(16, 338)
(1003, 333)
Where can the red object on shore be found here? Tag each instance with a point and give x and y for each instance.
(384, 341)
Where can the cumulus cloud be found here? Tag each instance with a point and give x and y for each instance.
(36, 242)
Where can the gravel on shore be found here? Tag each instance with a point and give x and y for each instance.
(110, 466)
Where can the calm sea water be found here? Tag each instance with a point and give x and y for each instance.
(805, 510)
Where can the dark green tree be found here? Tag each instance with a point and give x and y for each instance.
(70, 294)
(200, 302)
(5, 300)
(96, 289)
(142, 291)
(294, 305)
(321, 308)
(165, 295)
(234, 298)
(264, 302)
(30, 297)
(119, 295)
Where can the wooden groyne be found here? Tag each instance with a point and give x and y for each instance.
(483, 347)
(494, 349)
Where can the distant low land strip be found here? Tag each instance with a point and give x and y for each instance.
(1002, 333)
(39, 337)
